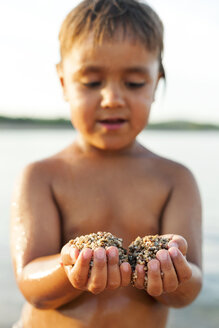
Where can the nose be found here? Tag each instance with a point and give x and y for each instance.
(112, 96)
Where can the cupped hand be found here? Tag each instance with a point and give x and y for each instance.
(168, 270)
(104, 274)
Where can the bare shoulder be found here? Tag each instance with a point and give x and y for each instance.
(43, 170)
(37, 171)
(175, 172)
(183, 181)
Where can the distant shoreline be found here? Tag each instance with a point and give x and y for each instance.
(39, 123)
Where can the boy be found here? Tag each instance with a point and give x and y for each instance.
(111, 63)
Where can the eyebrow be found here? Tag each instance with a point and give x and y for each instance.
(138, 69)
(90, 69)
(99, 69)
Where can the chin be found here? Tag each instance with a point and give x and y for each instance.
(113, 145)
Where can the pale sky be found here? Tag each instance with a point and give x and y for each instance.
(29, 51)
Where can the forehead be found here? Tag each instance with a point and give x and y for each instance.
(110, 54)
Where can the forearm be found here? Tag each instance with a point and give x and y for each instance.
(186, 292)
(45, 284)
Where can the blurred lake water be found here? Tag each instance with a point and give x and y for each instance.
(197, 150)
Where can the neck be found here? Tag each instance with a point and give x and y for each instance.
(89, 149)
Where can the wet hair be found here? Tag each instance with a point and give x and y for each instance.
(105, 17)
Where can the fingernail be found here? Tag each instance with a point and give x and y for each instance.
(100, 254)
(153, 265)
(113, 252)
(140, 268)
(86, 253)
(163, 255)
(173, 252)
(125, 267)
(72, 254)
(173, 244)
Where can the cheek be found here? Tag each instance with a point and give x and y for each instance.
(141, 111)
(77, 98)
(83, 109)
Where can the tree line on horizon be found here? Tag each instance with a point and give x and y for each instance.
(64, 123)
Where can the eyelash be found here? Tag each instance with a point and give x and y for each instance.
(92, 84)
(131, 85)
(134, 85)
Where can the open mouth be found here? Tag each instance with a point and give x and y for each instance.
(112, 123)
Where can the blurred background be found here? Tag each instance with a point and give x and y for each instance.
(30, 50)
(29, 87)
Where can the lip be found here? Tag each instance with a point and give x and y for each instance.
(112, 123)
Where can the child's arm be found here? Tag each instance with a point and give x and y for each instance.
(181, 280)
(36, 241)
(36, 246)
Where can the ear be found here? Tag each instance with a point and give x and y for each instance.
(157, 82)
(59, 70)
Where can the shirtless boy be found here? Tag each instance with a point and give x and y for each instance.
(111, 63)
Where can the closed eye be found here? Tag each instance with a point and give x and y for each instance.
(135, 85)
(131, 85)
(94, 84)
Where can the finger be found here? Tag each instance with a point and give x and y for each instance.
(78, 274)
(113, 271)
(155, 285)
(180, 243)
(139, 283)
(69, 254)
(181, 265)
(170, 280)
(98, 278)
(125, 272)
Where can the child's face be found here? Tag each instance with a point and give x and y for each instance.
(110, 89)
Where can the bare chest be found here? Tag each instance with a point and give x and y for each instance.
(125, 205)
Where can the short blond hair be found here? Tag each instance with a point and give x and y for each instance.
(104, 17)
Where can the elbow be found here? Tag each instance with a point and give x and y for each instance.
(42, 304)
(38, 304)
(34, 295)
(39, 301)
